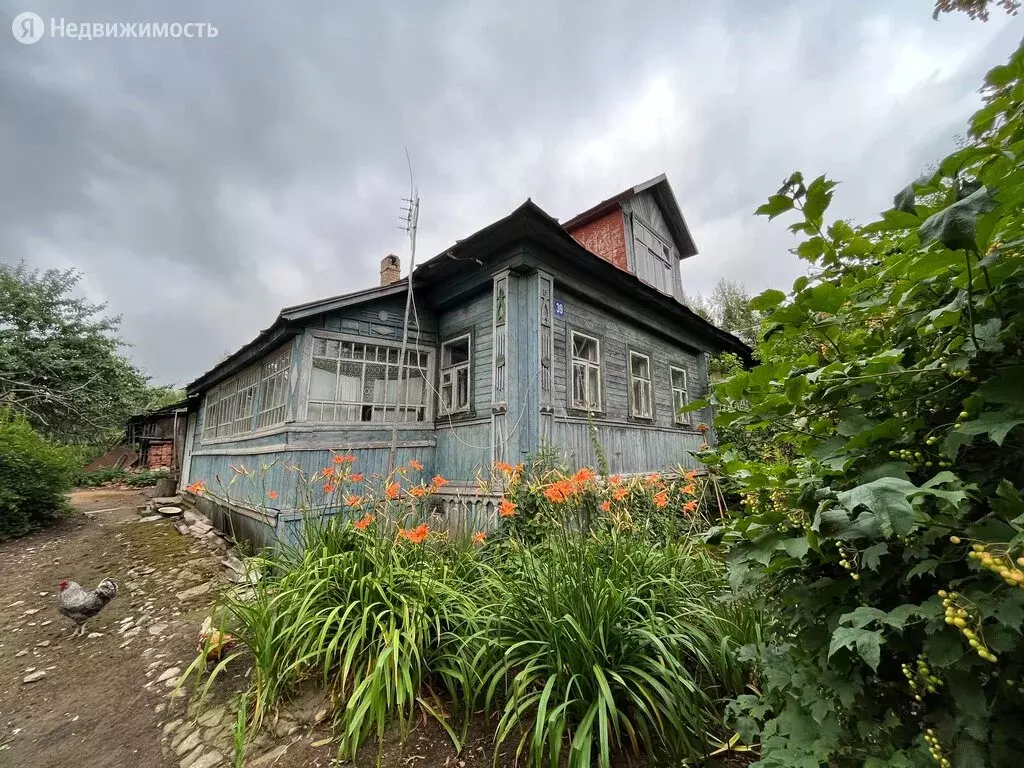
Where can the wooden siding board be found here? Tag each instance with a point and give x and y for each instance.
(645, 206)
(463, 450)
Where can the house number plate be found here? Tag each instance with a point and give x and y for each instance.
(559, 309)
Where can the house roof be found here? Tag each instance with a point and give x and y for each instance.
(528, 221)
(662, 191)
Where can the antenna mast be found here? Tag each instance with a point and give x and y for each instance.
(410, 218)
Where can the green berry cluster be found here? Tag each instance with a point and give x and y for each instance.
(935, 748)
(848, 560)
(959, 614)
(918, 459)
(997, 557)
(920, 679)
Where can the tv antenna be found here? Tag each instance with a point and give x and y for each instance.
(410, 220)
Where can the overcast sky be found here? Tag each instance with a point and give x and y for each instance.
(201, 185)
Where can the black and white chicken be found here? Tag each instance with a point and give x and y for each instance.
(80, 605)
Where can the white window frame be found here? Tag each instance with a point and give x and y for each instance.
(641, 407)
(275, 374)
(588, 401)
(370, 411)
(682, 392)
(450, 375)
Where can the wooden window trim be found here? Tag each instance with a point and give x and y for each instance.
(573, 333)
(630, 354)
(681, 419)
(466, 366)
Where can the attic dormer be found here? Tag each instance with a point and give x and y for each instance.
(640, 230)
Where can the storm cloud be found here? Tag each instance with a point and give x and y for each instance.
(203, 184)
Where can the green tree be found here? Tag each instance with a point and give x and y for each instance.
(975, 9)
(60, 361)
(728, 307)
(888, 538)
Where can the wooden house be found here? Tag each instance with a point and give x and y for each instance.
(522, 335)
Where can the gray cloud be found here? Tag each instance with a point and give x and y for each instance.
(203, 184)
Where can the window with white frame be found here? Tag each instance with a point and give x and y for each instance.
(680, 395)
(274, 389)
(456, 356)
(354, 382)
(586, 372)
(640, 385)
(230, 406)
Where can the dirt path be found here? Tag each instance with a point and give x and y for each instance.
(102, 702)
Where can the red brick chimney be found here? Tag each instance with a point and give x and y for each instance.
(390, 270)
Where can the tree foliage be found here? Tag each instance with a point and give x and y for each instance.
(59, 357)
(728, 307)
(888, 536)
(975, 9)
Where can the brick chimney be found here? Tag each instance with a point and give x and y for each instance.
(390, 270)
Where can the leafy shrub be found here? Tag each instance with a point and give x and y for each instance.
(34, 475)
(588, 637)
(119, 476)
(890, 545)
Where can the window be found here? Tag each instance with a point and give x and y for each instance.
(640, 385)
(455, 362)
(586, 372)
(653, 257)
(354, 382)
(274, 389)
(680, 395)
(230, 406)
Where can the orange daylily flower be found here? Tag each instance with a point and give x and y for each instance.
(691, 475)
(417, 491)
(337, 459)
(690, 506)
(272, 494)
(661, 499)
(348, 458)
(690, 489)
(614, 480)
(353, 501)
(653, 477)
(357, 477)
(478, 537)
(507, 508)
(560, 491)
(501, 466)
(415, 535)
(439, 482)
(392, 491)
(328, 488)
(197, 488)
(620, 493)
(327, 471)
(584, 475)
(606, 506)
(414, 464)
(363, 523)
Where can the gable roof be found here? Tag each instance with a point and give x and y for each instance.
(666, 198)
(528, 221)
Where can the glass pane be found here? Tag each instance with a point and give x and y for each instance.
(594, 391)
(332, 348)
(323, 380)
(415, 389)
(446, 396)
(579, 385)
(678, 378)
(347, 412)
(346, 349)
(584, 348)
(641, 366)
(319, 347)
(462, 383)
(456, 352)
(374, 386)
